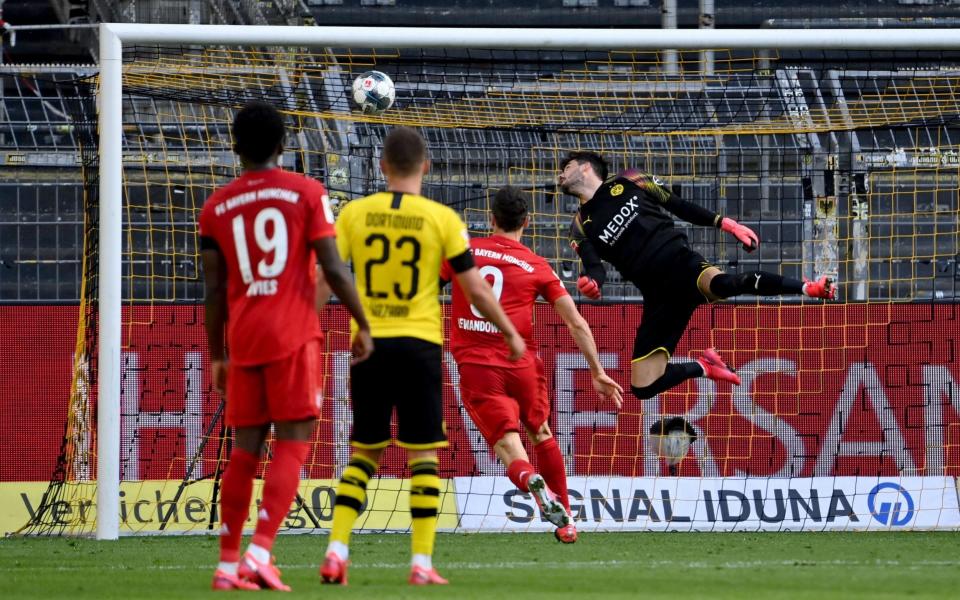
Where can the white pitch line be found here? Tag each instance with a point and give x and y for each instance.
(474, 566)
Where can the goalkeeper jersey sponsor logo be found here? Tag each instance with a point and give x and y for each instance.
(620, 221)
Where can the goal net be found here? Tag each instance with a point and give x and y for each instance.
(845, 162)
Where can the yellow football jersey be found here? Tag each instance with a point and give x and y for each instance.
(397, 243)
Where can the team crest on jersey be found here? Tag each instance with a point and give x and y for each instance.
(616, 190)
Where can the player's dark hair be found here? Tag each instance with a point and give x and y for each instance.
(509, 208)
(258, 131)
(584, 156)
(404, 150)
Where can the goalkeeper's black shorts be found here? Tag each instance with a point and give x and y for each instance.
(670, 296)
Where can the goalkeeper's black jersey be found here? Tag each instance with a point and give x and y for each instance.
(625, 224)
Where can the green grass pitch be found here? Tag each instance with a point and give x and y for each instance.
(513, 566)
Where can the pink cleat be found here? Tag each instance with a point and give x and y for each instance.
(714, 367)
(223, 581)
(821, 288)
(266, 575)
(551, 508)
(334, 569)
(421, 576)
(566, 534)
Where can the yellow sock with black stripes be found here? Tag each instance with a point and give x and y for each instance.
(351, 494)
(424, 504)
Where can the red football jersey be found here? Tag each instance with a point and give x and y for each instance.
(517, 277)
(263, 223)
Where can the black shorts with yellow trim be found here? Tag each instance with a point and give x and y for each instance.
(405, 374)
(671, 294)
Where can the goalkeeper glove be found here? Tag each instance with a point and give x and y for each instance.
(744, 234)
(589, 287)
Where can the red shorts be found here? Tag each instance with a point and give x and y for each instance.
(290, 389)
(499, 399)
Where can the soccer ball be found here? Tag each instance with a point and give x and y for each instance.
(674, 446)
(671, 438)
(373, 92)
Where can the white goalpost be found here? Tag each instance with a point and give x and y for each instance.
(114, 38)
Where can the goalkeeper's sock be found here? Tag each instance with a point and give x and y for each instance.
(236, 488)
(279, 489)
(351, 494)
(424, 504)
(550, 462)
(519, 472)
(759, 283)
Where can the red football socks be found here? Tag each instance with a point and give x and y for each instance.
(519, 471)
(279, 489)
(550, 462)
(236, 487)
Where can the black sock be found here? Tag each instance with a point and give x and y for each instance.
(675, 373)
(760, 283)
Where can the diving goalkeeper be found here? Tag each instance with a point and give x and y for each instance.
(622, 220)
